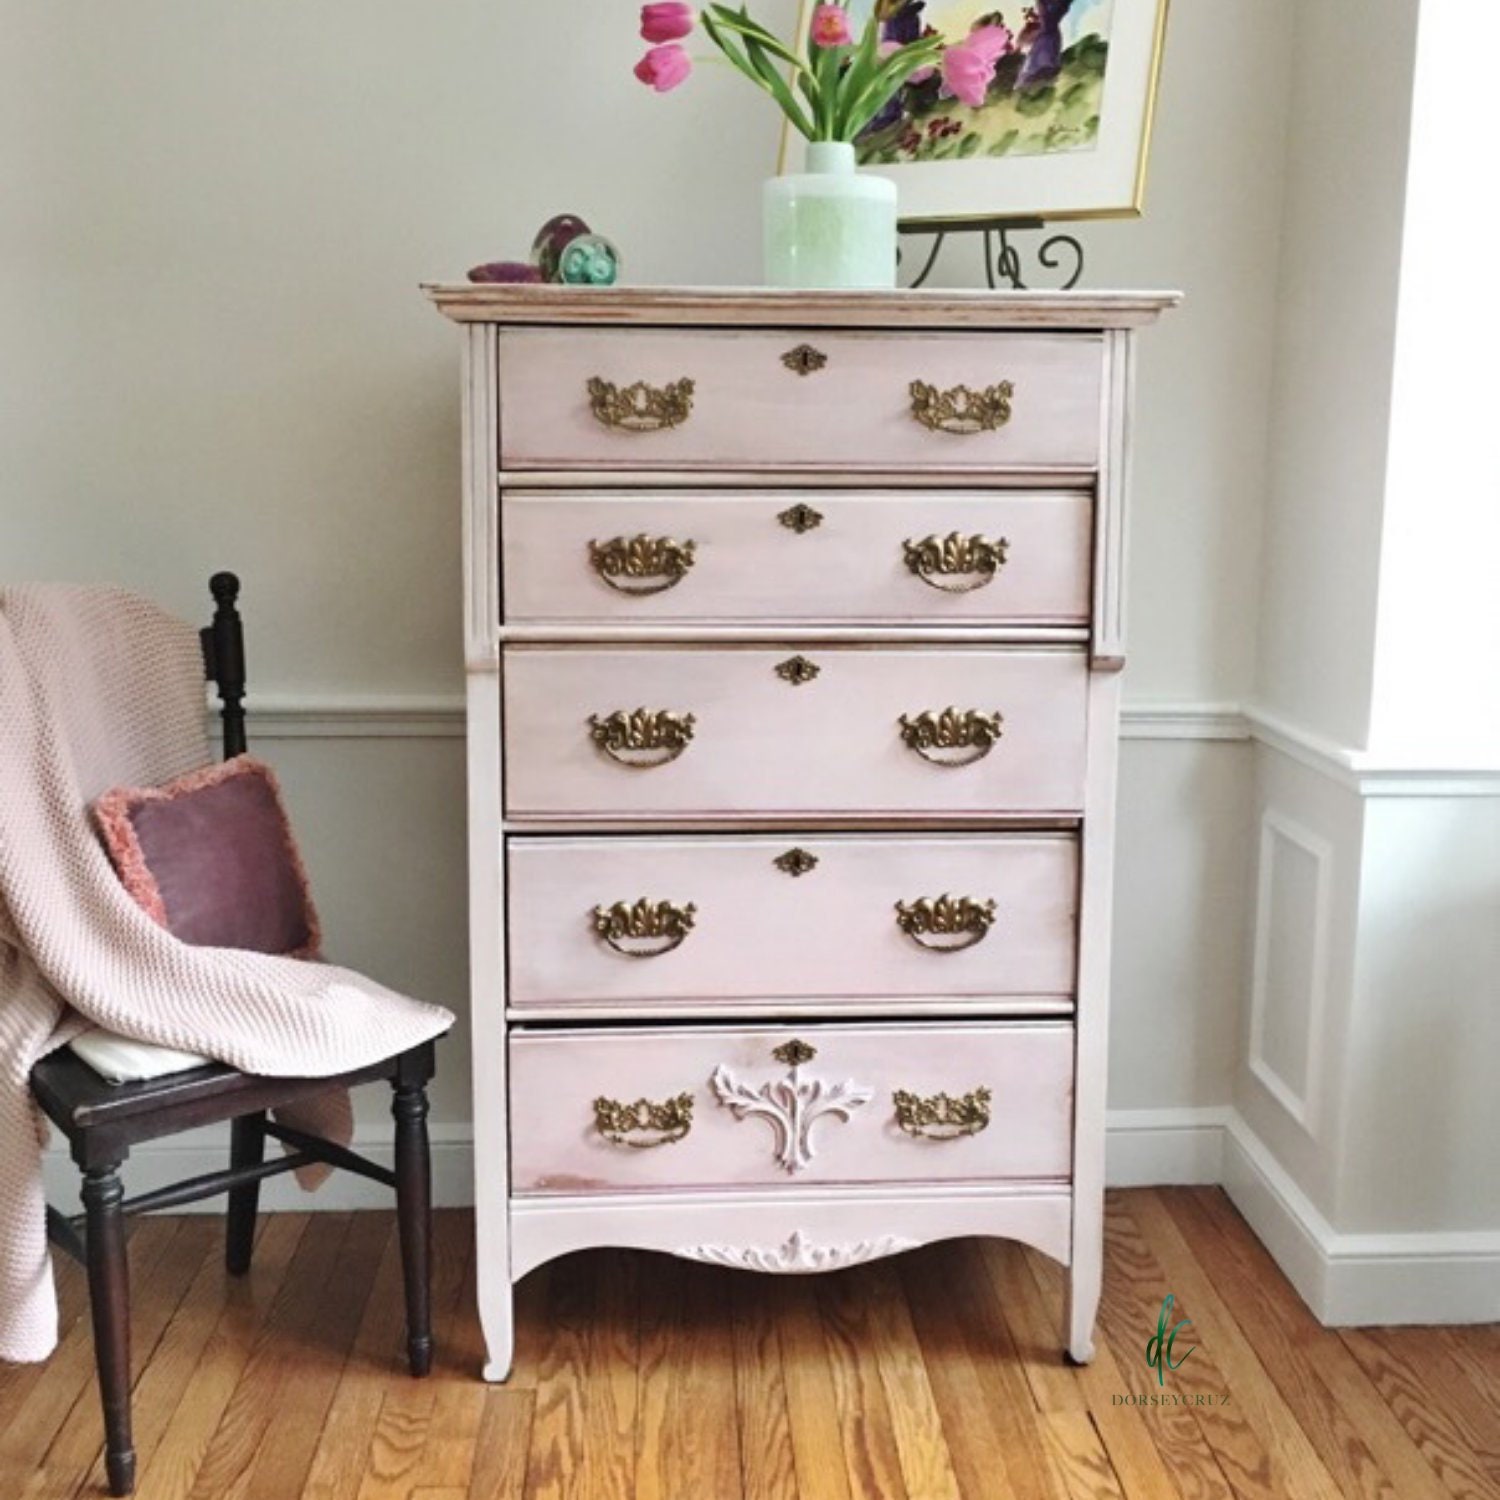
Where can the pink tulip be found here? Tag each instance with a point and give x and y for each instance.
(830, 27)
(991, 42)
(663, 68)
(666, 21)
(967, 72)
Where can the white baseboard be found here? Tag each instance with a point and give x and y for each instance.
(1164, 1147)
(1146, 1147)
(1346, 1279)
(201, 1151)
(1351, 1280)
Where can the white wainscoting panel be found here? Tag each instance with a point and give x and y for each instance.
(1289, 974)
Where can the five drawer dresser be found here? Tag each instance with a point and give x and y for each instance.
(793, 632)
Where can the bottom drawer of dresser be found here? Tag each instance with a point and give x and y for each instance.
(711, 1107)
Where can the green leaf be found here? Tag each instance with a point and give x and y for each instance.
(856, 77)
(889, 77)
(758, 69)
(777, 86)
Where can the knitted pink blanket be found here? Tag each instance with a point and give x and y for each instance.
(99, 689)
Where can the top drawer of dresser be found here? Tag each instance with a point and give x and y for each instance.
(810, 400)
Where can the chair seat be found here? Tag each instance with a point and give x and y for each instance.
(122, 1059)
(81, 1103)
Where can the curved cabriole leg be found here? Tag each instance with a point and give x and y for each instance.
(109, 1303)
(247, 1148)
(414, 1219)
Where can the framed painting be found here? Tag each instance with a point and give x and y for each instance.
(1064, 131)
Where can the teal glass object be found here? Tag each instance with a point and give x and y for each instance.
(830, 226)
(588, 260)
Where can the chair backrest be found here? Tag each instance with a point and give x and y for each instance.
(224, 660)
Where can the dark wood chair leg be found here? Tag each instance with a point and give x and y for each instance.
(414, 1218)
(247, 1148)
(109, 1300)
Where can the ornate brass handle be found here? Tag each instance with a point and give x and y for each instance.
(642, 564)
(947, 924)
(644, 1124)
(645, 930)
(951, 738)
(973, 560)
(960, 409)
(940, 1117)
(640, 407)
(643, 739)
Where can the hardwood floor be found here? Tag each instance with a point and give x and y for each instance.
(933, 1376)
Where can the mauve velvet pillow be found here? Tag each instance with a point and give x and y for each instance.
(211, 858)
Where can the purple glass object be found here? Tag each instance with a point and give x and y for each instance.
(552, 239)
(505, 270)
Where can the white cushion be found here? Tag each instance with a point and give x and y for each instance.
(117, 1059)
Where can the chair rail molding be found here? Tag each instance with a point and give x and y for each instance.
(294, 716)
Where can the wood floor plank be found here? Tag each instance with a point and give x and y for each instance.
(244, 1305)
(67, 1378)
(399, 1440)
(933, 1376)
(1137, 1462)
(964, 1344)
(229, 1459)
(349, 1429)
(1134, 1290)
(532, 1295)
(869, 1440)
(157, 1291)
(583, 1433)
(502, 1446)
(687, 1437)
(926, 1465)
(812, 1407)
(164, 1379)
(1078, 1456)
(1427, 1351)
(1439, 1437)
(1038, 1341)
(768, 1465)
(1476, 1347)
(1370, 1456)
(1261, 1446)
(299, 1406)
(71, 1285)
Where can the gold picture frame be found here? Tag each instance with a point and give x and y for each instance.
(1065, 194)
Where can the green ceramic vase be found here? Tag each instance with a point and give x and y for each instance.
(830, 226)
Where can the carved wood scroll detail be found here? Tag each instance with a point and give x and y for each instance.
(791, 1106)
(798, 1256)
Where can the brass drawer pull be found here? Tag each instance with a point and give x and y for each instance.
(960, 409)
(640, 407)
(941, 1117)
(645, 930)
(643, 739)
(951, 738)
(972, 560)
(644, 1124)
(642, 564)
(947, 924)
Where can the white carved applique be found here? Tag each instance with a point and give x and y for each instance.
(792, 1105)
(798, 1256)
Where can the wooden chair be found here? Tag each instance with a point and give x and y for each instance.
(102, 1121)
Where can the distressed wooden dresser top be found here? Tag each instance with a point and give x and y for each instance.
(465, 302)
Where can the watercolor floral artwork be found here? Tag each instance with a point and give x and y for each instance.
(1052, 122)
(1046, 93)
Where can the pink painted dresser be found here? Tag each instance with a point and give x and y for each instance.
(793, 625)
